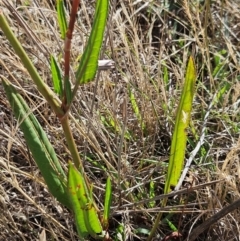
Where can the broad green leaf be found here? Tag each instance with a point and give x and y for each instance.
(39, 145)
(107, 203)
(94, 222)
(56, 76)
(61, 18)
(89, 61)
(85, 213)
(76, 189)
(179, 139)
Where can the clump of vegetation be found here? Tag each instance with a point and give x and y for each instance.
(168, 107)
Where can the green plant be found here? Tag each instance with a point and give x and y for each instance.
(74, 191)
(179, 138)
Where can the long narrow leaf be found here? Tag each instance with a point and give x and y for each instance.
(61, 18)
(56, 76)
(68, 90)
(89, 61)
(39, 145)
(107, 203)
(178, 146)
(136, 108)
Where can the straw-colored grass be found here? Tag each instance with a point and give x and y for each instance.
(150, 44)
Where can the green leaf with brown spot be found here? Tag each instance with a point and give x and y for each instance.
(179, 139)
(83, 206)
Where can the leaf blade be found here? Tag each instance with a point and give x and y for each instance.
(89, 61)
(107, 203)
(39, 145)
(56, 77)
(75, 185)
(178, 146)
(87, 221)
(61, 18)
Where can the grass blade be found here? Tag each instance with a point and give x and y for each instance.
(107, 203)
(114, 125)
(151, 194)
(136, 109)
(178, 146)
(39, 145)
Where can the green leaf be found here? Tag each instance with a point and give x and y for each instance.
(120, 232)
(112, 123)
(142, 231)
(165, 75)
(89, 61)
(39, 145)
(171, 225)
(179, 139)
(224, 86)
(56, 76)
(61, 18)
(41, 85)
(68, 90)
(107, 203)
(85, 213)
(76, 189)
(93, 221)
(136, 109)
(152, 194)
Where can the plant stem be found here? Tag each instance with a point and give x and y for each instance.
(71, 143)
(157, 221)
(42, 87)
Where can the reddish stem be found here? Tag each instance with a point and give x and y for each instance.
(67, 47)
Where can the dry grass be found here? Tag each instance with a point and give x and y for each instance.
(150, 44)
